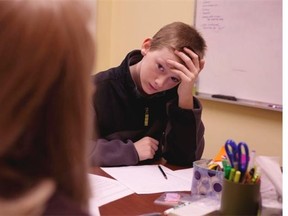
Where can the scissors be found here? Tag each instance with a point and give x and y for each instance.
(238, 155)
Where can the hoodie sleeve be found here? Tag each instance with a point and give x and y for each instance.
(184, 136)
(112, 153)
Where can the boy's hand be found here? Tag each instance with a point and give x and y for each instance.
(146, 148)
(188, 73)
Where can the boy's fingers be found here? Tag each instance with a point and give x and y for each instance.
(178, 69)
(190, 58)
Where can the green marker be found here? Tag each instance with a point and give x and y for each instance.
(224, 163)
(227, 170)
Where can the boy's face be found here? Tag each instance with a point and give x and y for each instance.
(155, 74)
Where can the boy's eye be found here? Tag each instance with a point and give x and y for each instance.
(174, 79)
(160, 67)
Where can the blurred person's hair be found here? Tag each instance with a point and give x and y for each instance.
(46, 58)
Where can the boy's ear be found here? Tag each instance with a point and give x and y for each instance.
(146, 46)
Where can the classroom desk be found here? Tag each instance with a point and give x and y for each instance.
(141, 204)
(134, 204)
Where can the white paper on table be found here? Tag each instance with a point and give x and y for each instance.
(185, 173)
(148, 179)
(93, 208)
(105, 190)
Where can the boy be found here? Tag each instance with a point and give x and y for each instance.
(145, 107)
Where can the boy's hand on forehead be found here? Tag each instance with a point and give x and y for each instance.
(188, 72)
(190, 68)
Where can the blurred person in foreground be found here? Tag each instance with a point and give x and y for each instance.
(46, 58)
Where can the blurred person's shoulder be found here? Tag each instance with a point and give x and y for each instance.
(59, 204)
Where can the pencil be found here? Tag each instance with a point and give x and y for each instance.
(163, 173)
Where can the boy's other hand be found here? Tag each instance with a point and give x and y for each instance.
(146, 148)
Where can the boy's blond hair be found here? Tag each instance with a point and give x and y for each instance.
(178, 35)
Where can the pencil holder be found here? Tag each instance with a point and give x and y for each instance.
(240, 199)
(205, 181)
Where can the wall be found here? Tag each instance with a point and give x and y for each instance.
(122, 25)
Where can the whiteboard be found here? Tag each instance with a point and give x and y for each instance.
(244, 50)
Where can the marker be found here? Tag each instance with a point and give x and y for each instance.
(232, 174)
(252, 171)
(227, 171)
(225, 97)
(256, 178)
(247, 179)
(224, 163)
(237, 176)
(162, 171)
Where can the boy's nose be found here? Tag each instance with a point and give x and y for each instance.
(160, 81)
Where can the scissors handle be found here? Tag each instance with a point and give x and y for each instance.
(231, 151)
(243, 157)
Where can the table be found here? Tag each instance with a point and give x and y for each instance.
(134, 204)
(141, 204)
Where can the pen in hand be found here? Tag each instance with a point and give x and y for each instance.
(163, 173)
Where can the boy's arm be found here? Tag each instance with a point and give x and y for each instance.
(112, 153)
(184, 140)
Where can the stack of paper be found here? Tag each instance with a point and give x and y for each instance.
(148, 179)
